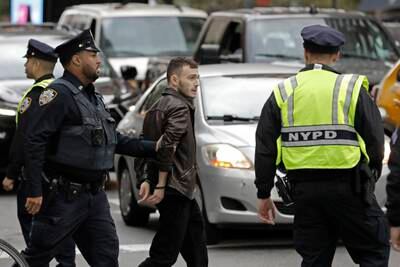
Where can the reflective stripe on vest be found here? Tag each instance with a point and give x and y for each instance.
(317, 111)
(43, 84)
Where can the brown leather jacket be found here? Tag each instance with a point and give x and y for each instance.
(172, 117)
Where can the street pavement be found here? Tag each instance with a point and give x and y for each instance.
(244, 247)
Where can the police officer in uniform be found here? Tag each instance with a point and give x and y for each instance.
(40, 62)
(323, 127)
(71, 146)
(393, 191)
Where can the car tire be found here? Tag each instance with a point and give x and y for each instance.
(212, 231)
(132, 213)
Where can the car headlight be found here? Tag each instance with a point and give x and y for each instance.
(387, 150)
(225, 156)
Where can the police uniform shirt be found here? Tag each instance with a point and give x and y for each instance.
(57, 109)
(26, 118)
(368, 124)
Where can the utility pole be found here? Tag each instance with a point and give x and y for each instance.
(335, 3)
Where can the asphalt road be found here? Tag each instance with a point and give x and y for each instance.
(246, 247)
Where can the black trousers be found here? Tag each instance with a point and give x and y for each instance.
(66, 253)
(181, 230)
(328, 210)
(86, 219)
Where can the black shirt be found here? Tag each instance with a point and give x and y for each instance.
(25, 120)
(42, 138)
(368, 124)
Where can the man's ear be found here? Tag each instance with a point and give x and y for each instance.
(306, 56)
(76, 60)
(174, 79)
(335, 57)
(338, 56)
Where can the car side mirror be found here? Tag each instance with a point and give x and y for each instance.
(128, 72)
(209, 54)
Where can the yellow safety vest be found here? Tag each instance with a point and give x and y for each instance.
(317, 111)
(43, 84)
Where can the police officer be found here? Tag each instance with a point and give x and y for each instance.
(322, 126)
(71, 146)
(40, 62)
(393, 191)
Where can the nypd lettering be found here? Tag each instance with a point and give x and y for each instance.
(319, 135)
(304, 136)
(47, 96)
(25, 105)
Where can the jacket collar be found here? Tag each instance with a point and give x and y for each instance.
(319, 66)
(45, 77)
(73, 79)
(188, 101)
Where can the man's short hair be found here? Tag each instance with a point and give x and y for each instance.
(176, 65)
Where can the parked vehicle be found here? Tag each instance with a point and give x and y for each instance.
(393, 28)
(133, 33)
(228, 107)
(273, 35)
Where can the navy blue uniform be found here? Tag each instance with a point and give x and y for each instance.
(66, 253)
(86, 215)
(25, 118)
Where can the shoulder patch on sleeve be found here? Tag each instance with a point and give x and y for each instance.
(47, 96)
(25, 105)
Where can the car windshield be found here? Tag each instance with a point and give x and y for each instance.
(12, 62)
(236, 98)
(281, 39)
(149, 36)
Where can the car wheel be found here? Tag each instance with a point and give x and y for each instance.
(212, 231)
(132, 213)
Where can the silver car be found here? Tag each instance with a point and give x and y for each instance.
(228, 106)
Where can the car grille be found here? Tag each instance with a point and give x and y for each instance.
(287, 210)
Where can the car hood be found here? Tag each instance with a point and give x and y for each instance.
(374, 70)
(11, 91)
(139, 62)
(238, 135)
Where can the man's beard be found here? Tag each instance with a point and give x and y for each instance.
(90, 75)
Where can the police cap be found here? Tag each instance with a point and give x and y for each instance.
(40, 50)
(322, 39)
(83, 41)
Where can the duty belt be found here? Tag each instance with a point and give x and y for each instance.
(94, 187)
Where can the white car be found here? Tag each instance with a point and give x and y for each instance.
(228, 106)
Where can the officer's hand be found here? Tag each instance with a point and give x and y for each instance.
(156, 197)
(33, 204)
(8, 184)
(266, 210)
(395, 238)
(144, 191)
